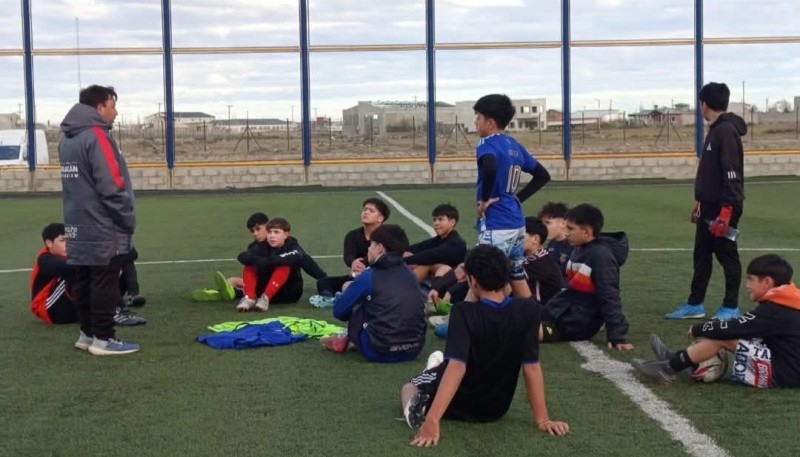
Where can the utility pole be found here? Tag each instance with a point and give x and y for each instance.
(229, 117)
(78, 49)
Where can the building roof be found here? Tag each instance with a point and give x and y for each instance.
(185, 115)
(238, 122)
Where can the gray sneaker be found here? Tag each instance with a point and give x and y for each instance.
(262, 304)
(658, 370)
(245, 305)
(416, 409)
(112, 346)
(660, 349)
(84, 341)
(127, 318)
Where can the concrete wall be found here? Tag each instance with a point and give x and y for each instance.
(337, 174)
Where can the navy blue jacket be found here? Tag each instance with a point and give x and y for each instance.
(394, 312)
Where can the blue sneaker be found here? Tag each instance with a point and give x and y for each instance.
(727, 313)
(112, 346)
(441, 331)
(688, 311)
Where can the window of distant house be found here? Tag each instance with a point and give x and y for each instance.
(524, 109)
(534, 109)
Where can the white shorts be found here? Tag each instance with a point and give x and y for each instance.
(511, 242)
(752, 364)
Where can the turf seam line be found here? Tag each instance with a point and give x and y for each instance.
(619, 373)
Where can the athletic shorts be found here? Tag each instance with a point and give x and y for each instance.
(511, 242)
(752, 364)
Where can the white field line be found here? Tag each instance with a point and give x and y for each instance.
(694, 442)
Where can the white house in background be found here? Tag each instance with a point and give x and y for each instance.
(531, 114)
(382, 117)
(10, 121)
(256, 125)
(601, 115)
(182, 118)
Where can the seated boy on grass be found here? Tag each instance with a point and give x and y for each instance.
(434, 257)
(272, 264)
(382, 306)
(591, 298)
(765, 342)
(487, 344)
(544, 279)
(552, 215)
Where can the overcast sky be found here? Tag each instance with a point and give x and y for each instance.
(267, 85)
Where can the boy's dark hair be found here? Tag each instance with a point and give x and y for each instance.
(380, 205)
(716, 96)
(53, 231)
(553, 209)
(447, 210)
(497, 107)
(535, 226)
(588, 216)
(771, 266)
(256, 219)
(96, 95)
(279, 223)
(392, 237)
(488, 265)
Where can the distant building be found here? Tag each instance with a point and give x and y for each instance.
(659, 115)
(256, 125)
(11, 121)
(384, 117)
(182, 118)
(598, 115)
(531, 114)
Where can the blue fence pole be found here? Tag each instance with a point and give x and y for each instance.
(169, 103)
(305, 96)
(430, 54)
(30, 110)
(566, 75)
(698, 75)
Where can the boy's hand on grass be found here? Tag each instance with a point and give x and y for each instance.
(554, 428)
(620, 346)
(428, 434)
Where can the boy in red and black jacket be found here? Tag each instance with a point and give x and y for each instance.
(592, 297)
(51, 278)
(719, 202)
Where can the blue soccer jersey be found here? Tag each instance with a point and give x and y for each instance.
(512, 160)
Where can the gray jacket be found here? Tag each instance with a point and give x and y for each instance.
(98, 198)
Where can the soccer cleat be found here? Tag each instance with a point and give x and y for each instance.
(84, 341)
(336, 343)
(112, 347)
(245, 305)
(660, 349)
(657, 370)
(135, 301)
(416, 409)
(688, 311)
(434, 360)
(127, 318)
(262, 304)
(226, 290)
(725, 313)
(206, 295)
(322, 301)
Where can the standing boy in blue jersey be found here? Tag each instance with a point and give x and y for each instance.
(501, 161)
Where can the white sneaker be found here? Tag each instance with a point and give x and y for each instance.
(84, 342)
(112, 346)
(245, 304)
(262, 304)
(434, 360)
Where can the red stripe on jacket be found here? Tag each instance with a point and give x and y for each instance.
(39, 301)
(111, 159)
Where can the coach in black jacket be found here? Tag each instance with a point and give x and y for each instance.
(719, 195)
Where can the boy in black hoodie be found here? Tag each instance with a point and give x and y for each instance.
(591, 298)
(719, 201)
(765, 341)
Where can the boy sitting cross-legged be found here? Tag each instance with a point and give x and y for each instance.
(434, 257)
(487, 344)
(765, 341)
(272, 266)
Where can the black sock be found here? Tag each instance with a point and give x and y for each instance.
(680, 361)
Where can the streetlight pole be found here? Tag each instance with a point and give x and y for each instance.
(229, 117)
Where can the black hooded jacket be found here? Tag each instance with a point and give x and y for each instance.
(720, 173)
(592, 296)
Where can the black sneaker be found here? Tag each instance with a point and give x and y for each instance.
(416, 409)
(658, 370)
(660, 349)
(135, 301)
(127, 318)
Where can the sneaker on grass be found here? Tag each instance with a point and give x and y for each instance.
(245, 305)
(688, 311)
(206, 295)
(262, 304)
(226, 290)
(135, 301)
(127, 318)
(659, 371)
(725, 313)
(660, 349)
(322, 301)
(112, 346)
(415, 409)
(84, 341)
